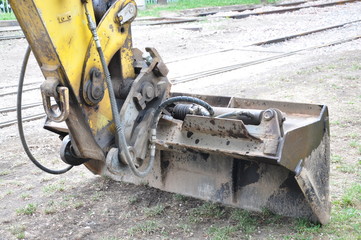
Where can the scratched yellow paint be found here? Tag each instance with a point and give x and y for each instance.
(66, 24)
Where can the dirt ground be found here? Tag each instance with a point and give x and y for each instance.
(80, 205)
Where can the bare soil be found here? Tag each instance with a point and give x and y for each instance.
(80, 205)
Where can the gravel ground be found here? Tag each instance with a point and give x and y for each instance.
(79, 205)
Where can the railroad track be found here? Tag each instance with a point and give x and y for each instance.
(190, 77)
(201, 74)
(16, 85)
(15, 31)
(279, 8)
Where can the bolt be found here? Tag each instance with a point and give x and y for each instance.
(148, 59)
(268, 115)
(97, 93)
(149, 92)
(131, 9)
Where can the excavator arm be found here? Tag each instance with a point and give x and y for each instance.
(123, 121)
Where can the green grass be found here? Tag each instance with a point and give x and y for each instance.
(336, 159)
(148, 227)
(133, 200)
(56, 187)
(97, 196)
(155, 9)
(351, 197)
(245, 222)
(206, 211)
(242, 222)
(25, 196)
(221, 233)
(18, 231)
(354, 144)
(7, 16)
(154, 211)
(29, 209)
(179, 197)
(345, 220)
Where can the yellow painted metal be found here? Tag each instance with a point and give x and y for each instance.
(57, 33)
(113, 37)
(68, 37)
(62, 43)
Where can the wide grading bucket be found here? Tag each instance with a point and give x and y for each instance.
(277, 159)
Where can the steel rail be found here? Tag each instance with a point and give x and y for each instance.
(25, 106)
(25, 119)
(203, 74)
(244, 15)
(282, 39)
(242, 8)
(16, 85)
(15, 92)
(17, 29)
(2, 38)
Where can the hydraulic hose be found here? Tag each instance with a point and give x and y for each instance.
(119, 125)
(20, 123)
(121, 140)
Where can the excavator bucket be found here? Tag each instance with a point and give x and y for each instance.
(246, 153)
(277, 161)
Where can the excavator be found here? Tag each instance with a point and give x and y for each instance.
(114, 111)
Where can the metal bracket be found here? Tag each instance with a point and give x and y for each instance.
(129, 12)
(50, 88)
(94, 88)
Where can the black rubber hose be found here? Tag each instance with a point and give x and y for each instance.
(172, 100)
(20, 122)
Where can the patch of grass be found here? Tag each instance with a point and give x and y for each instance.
(78, 204)
(56, 187)
(206, 211)
(305, 226)
(336, 159)
(347, 168)
(148, 227)
(221, 233)
(16, 183)
(154, 211)
(25, 196)
(356, 67)
(345, 223)
(7, 16)
(50, 210)
(269, 217)
(353, 135)
(29, 209)
(133, 200)
(354, 144)
(97, 196)
(185, 228)
(179, 197)
(18, 231)
(245, 222)
(110, 238)
(156, 10)
(352, 196)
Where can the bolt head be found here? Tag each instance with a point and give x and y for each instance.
(268, 115)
